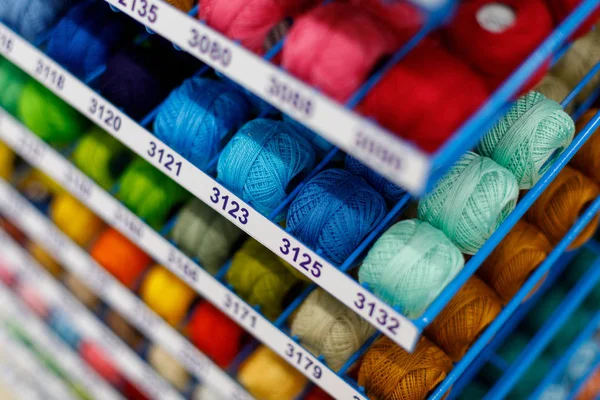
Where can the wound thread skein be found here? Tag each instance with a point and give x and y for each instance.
(409, 266)
(215, 334)
(554, 88)
(327, 327)
(517, 256)
(559, 206)
(123, 329)
(12, 82)
(581, 57)
(149, 193)
(264, 368)
(84, 38)
(470, 201)
(183, 5)
(60, 323)
(404, 18)
(101, 157)
(44, 259)
(389, 190)
(250, 21)
(96, 358)
(464, 318)
(355, 42)
(496, 36)
(202, 232)
(166, 294)
(49, 117)
(199, 117)
(168, 367)
(388, 372)
(529, 138)
(7, 160)
(261, 278)
(586, 159)
(74, 219)
(30, 18)
(124, 260)
(562, 8)
(333, 212)
(261, 161)
(433, 104)
(81, 291)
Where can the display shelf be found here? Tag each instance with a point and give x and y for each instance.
(51, 384)
(561, 364)
(382, 151)
(203, 186)
(118, 297)
(50, 343)
(482, 342)
(51, 162)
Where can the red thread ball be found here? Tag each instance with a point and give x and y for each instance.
(562, 8)
(316, 393)
(335, 46)
(426, 96)
(250, 21)
(496, 36)
(403, 17)
(215, 334)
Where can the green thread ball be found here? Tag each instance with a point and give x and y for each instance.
(202, 232)
(101, 157)
(409, 265)
(12, 83)
(149, 193)
(529, 138)
(470, 201)
(50, 118)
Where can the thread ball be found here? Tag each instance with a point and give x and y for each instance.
(333, 213)
(470, 201)
(262, 160)
(74, 219)
(327, 327)
(409, 266)
(31, 18)
(388, 189)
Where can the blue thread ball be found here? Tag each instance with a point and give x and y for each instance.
(261, 160)
(30, 18)
(64, 329)
(86, 36)
(389, 190)
(334, 212)
(198, 117)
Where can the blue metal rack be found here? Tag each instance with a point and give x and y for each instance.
(464, 139)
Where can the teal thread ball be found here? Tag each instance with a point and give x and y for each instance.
(529, 138)
(409, 265)
(470, 201)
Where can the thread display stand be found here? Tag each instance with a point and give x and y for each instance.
(351, 133)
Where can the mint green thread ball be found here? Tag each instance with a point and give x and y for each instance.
(470, 201)
(529, 138)
(409, 265)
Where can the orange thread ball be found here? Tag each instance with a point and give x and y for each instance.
(587, 159)
(120, 257)
(464, 318)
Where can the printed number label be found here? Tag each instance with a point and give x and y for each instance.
(194, 364)
(188, 269)
(6, 43)
(128, 221)
(377, 151)
(105, 115)
(50, 75)
(31, 147)
(301, 259)
(378, 314)
(97, 278)
(210, 47)
(303, 361)
(143, 317)
(78, 183)
(54, 240)
(144, 8)
(166, 159)
(290, 97)
(240, 310)
(235, 211)
(15, 206)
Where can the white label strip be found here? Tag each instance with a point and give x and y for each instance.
(45, 378)
(78, 262)
(17, 382)
(42, 156)
(62, 298)
(46, 339)
(396, 326)
(382, 151)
